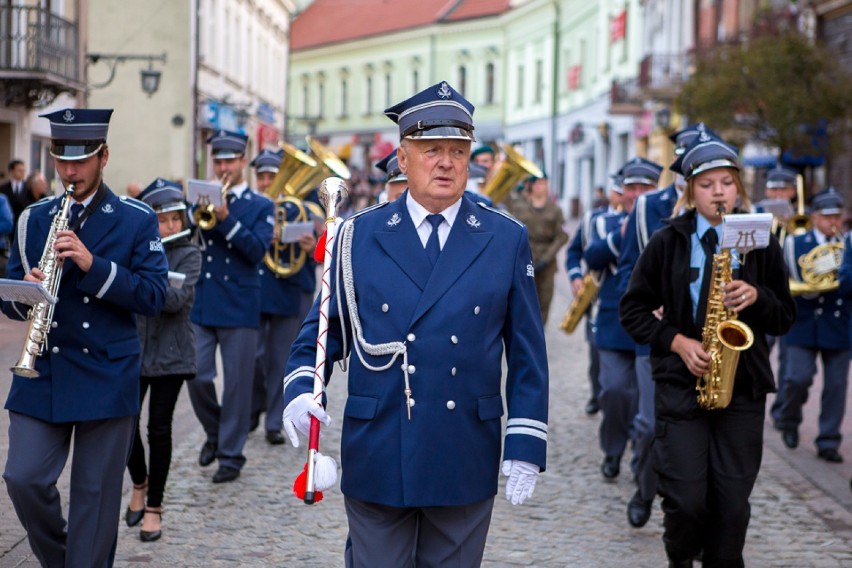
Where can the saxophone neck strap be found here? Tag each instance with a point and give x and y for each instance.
(91, 207)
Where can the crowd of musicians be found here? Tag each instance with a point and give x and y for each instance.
(447, 281)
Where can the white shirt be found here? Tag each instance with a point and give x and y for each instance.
(418, 215)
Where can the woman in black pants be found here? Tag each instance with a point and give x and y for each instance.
(168, 359)
(707, 460)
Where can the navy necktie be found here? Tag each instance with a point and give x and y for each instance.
(76, 210)
(433, 245)
(708, 242)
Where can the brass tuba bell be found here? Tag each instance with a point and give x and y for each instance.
(513, 170)
(327, 165)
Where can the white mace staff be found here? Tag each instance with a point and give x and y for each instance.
(332, 191)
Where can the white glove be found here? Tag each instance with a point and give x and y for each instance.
(297, 416)
(521, 482)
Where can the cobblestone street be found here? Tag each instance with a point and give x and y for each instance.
(801, 506)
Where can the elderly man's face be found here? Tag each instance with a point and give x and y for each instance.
(436, 170)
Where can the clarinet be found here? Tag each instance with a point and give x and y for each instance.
(41, 314)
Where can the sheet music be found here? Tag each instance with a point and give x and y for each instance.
(781, 208)
(198, 188)
(176, 279)
(29, 293)
(292, 231)
(746, 231)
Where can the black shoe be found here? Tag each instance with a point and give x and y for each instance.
(611, 467)
(225, 474)
(255, 421)
(133, 518)
(275, 438)
(790, 436)
(151, 536)
(592, 407)
(207, 455)
(638, 511)
(830, 455)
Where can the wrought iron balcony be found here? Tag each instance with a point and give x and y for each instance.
(625, 97)
(39, 56)
(662, 75)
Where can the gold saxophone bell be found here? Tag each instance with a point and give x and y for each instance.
(204, 215)
(513, 170)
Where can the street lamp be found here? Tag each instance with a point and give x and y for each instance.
(150, 77)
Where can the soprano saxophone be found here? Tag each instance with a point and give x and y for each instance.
(723, 337)
(41, 314)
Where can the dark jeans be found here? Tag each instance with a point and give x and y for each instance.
(161, 408)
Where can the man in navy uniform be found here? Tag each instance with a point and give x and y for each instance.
(88, 374)
(619, 394)
(442, 285)
(821, 328)
(574, 266)
(287, 297)
(227, 308)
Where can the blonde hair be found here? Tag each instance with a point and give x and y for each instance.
(686, 200)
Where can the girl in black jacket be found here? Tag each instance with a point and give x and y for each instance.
(707, 460)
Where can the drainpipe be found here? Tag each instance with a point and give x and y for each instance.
(554, 110)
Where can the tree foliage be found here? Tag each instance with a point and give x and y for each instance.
(773, 89)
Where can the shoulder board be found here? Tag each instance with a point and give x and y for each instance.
(500, 212)
(367, 210)
(44, 201)
(135, 203)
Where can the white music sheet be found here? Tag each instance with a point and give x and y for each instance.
(211, 190)
(29, 293)
(746, 231)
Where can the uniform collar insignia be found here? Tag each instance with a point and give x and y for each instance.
(473, 221)
(107, 208)
(394, 220)
(53, 210)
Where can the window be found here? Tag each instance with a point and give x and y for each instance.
(305, 99)
(415, 80)
(388, 90)
(462, 79)
(321, 112)
(344, 96)
(368, 99)
(520, 94)
(489, 84)
(539, 80)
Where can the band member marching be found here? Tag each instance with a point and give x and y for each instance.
(821, 329)
(227, 304)
(442, 285)
(105, 256)
(707, 460)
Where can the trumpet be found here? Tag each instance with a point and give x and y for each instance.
(800, 223)
(204, 215)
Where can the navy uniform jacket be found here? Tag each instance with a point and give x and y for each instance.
(282, 296)
(574, 254)
(823, 320)
(228, 291)
(90, 368)
(602, 256)
(844, 275)
(456, 321)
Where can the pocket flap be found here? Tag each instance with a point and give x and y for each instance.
(124, 348)
(490, 407)
(362, 407)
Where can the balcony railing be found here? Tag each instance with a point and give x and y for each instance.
(663, 74)
(38, 51)
(625, 97)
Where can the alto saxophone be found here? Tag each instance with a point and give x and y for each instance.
(41, 313)
(723, 337)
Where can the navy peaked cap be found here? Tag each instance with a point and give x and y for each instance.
(267, 161)
(640, 170)
(779, 176)
(390, 165)
(77, 133)
(683, 138)
(617, 184)
(485, 149)
(827, 202)
(225, 144)
(706, 152)
(438, 111)
(163, 196)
